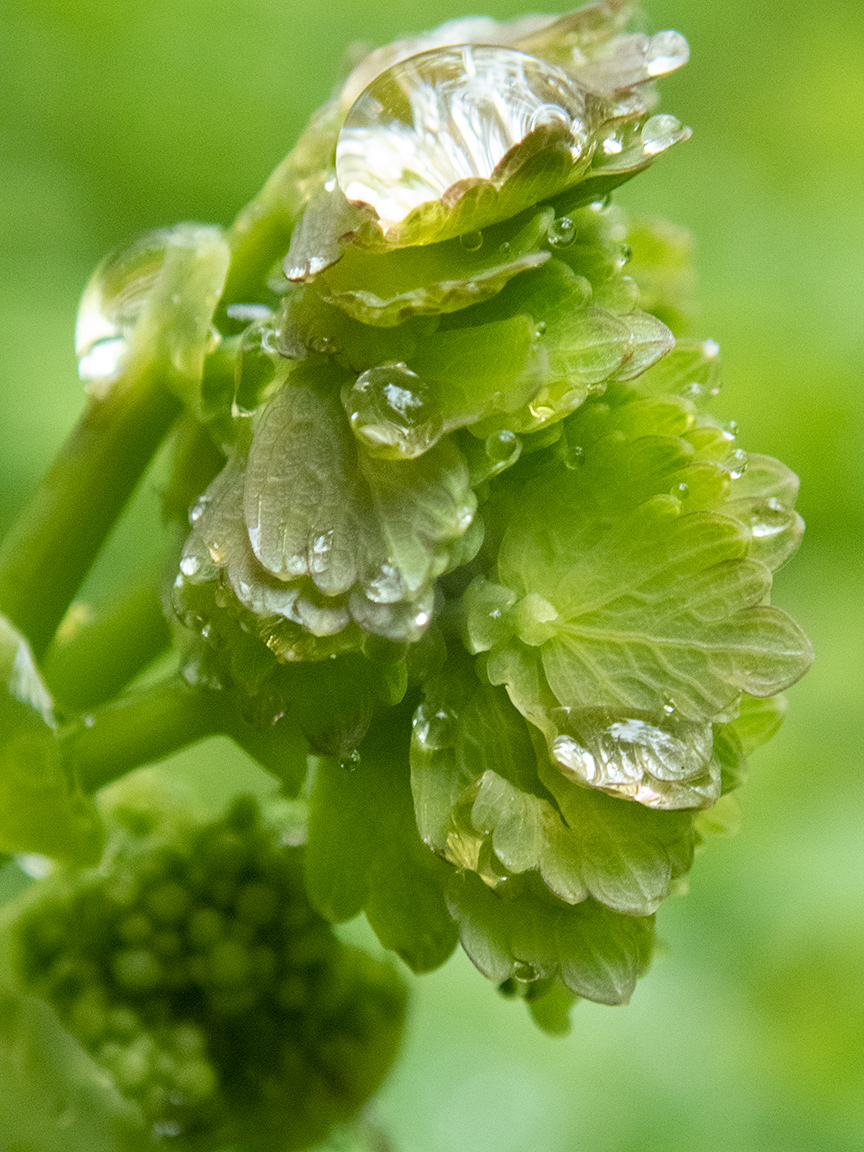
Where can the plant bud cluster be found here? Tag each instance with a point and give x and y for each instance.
(194, 971)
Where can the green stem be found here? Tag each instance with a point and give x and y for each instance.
(138, 729)
(262, 232)
(95, 655)
(56, 538)
(92, 659)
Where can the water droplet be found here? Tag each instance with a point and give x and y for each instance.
(693, 390)
(502, 449)
(524, 971)
(350, 762)
(667, 51)
(248, 313)
(561, 232)
(505, 248)
(471, 241)
(113, 300)
(657, 759)
(434, 729)
(256, 363)
(732, 428)
(540, 329)
(612, 146)
(386, 586)
(626, 254)
(189, 565)
(661, 132)
(574, 456)
(391, 413)
(198, 508)
(446, 115)
(737, 463)
(682, 490)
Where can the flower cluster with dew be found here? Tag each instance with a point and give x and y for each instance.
(470, 568)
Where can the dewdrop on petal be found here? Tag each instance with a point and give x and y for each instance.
(448, 115)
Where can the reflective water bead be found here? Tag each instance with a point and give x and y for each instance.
(503, 448)
(737, 463)
(574, 456)
(525, 971)
(351, 762)
(168, 282)
(661, 132)
(434, 729)
(561, 232)
(447, 115)
(667, 51)
(112, 302)
(391, 413)
(682, 490)
(471, 241)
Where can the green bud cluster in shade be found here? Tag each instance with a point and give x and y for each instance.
(191, 967)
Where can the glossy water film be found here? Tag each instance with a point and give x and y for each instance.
(445, 116)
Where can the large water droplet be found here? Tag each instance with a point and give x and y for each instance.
(111, 304)
(661, 132)
(391, 413)
(471, 241)
(667, 51)
(522, 970)
(434, 728)
(386, 586)
(447, 115)
(662, 760)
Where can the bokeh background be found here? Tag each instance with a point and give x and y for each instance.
(748, 1034)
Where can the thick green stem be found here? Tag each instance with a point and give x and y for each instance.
(94, 657)
(56, 538)
(138, 729)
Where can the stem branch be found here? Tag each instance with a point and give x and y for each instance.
(56, 538)
(138, 729)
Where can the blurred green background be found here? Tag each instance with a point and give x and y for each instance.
(749, 1031)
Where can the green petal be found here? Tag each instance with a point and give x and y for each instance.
(364, 853)
(599, 954)
(387, 288)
